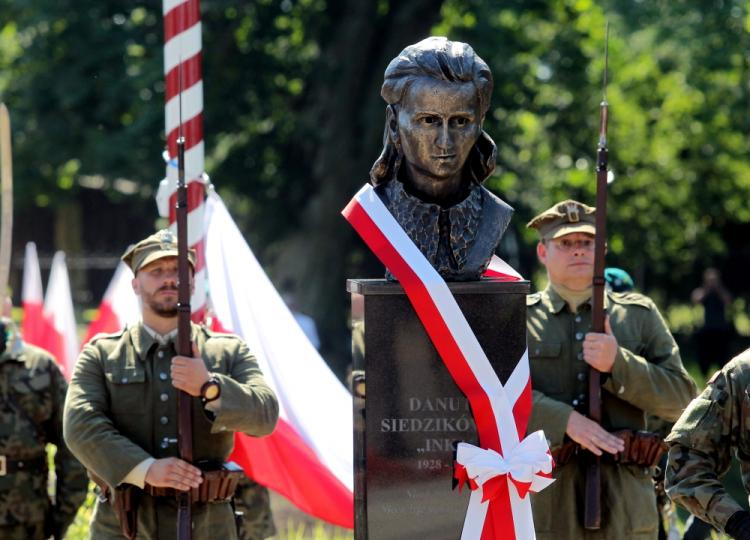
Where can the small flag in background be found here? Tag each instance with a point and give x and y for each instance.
(62, 341)
(119, 305)
(34, 328)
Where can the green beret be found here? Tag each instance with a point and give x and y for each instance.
(563, 218)
(157, 246)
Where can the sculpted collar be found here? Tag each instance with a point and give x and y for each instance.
(443, 235)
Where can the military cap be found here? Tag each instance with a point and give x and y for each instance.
(157, 246)
(618, 279)
(563, 218)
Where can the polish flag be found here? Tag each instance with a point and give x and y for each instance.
(62, 340)
(309, 457)
(119, 305)
(34, 328)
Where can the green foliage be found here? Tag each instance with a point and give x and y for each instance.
(293, 121)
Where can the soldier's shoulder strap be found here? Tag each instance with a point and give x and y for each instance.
(214, 334)
(108, 335)
(633, 299)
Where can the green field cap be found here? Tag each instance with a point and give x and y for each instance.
(563, 218)
(157, 246)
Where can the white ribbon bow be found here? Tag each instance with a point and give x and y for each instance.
(522, 463)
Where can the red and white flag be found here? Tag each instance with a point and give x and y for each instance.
(309, 457)
(60, 338)
(119, 305)
(34, 328)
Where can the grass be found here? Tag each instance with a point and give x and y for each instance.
(290, 522)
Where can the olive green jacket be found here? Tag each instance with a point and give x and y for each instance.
(121, 408)
(32, 393)
(647, 378)
(713, 427)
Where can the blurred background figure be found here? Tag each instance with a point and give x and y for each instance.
(712, 340)
(306, 322)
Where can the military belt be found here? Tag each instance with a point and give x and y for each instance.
(10, 466)
(217, 486)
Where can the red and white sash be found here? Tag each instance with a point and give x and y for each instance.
(507, 467)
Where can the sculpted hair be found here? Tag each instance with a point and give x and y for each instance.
(443, 60)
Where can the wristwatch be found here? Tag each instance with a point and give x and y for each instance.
(211, 390)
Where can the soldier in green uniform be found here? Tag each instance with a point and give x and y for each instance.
(713, 427)
(642, 374)
(31, 408)
(121, 412)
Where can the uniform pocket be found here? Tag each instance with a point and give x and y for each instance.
(127, 387)
(547, 370)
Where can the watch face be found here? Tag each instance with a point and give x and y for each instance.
(211, 391)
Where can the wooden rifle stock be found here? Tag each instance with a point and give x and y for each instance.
(184, 343)
(592, 517)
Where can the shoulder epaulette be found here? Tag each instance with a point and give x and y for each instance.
(216, 334)
(632, 298)
(107, 335)
(534, 298)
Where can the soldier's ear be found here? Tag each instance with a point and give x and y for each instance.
(391, 123)
(541, 252)
(136, 286)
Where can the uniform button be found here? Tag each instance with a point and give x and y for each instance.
(164, 420)
(580, 355)
(581, 397)
(575, 403)
(579, 336)
(164, 443)
(164, 397)
(124, 380)
(160, 354)
(537, 351)
(163, 376)
(581, 376)
(578, 318)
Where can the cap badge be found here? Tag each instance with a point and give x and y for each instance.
(573, 213)
(166, 238)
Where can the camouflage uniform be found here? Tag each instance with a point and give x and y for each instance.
(122, 408)
(713, 427)
(647, 377)
(254, 501)
(33, 393)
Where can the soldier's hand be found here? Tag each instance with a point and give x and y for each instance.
(189, 373)
(173, 473)
(592, 436)
(600, 350)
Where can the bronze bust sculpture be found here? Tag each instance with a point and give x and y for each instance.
(436, 156)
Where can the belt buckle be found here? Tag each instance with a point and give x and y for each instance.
(3, 465)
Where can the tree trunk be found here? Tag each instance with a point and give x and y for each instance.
(350, 115)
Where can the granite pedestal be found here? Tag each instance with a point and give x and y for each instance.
(409, 414)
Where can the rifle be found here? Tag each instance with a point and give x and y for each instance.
(184, 345)
(592, 518)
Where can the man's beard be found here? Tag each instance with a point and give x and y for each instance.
(163, 309)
